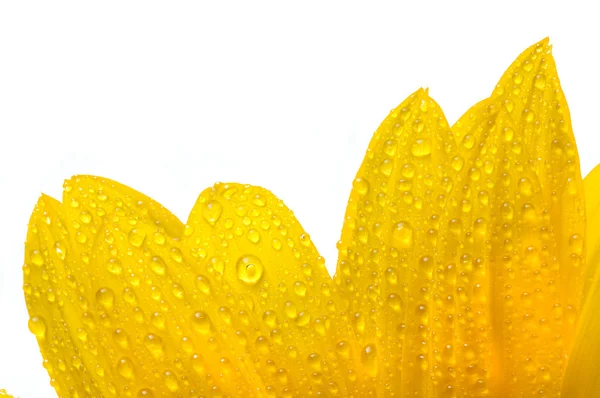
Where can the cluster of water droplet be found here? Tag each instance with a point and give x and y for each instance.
(462, 249)
(460, 270)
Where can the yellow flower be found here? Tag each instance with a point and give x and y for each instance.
(461, 272)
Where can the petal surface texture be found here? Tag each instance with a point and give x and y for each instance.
(462, 251)
(462, 270)
(125, 300)
(581, 378)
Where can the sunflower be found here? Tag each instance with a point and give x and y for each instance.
(462, 270)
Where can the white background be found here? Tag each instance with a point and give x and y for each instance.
(171, 97)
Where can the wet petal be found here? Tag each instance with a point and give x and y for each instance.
(126, 315)
(45, 285)
(582, 376)
(391, 251)
(482, 238)
(592, 206)
(277, 295)
(529, 167)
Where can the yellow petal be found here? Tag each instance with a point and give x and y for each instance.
(592, 206)
(125, 300)
(479, 239)
(391, 252)
(3, 393)
(114, 301)
(275, 288)
(529, 167)
(582, 375)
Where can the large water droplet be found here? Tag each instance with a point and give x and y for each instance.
(37, 258)
(421, 147)
(37, 326)
(211, 211)
(106, 298)
(125, 368)
(402, 235)
(249, 269)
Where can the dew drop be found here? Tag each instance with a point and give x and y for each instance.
(402, 235)
(158, 266)
(395, 302)
(369, 359)
(203, 284)
(201, 322)
(300, 288)
(125, 368)
(540, 82)
(361, 185)
(421, 147)
(37, 258)
(121, 338)
(106, 298)
(60, 250)
(253, 236)
(290, 310)
(155, 345)
(37, 326)
(171, 381)
(136, 237)
(249, 269)
(212, 211)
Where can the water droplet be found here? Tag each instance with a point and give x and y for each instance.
(421, 147)
(249, 269)
(158, 266)
(395, 302)
(177, 291)
(468, 141)
(390, 147)
(576, 243)
(125, 368)
(129, 296)
(37, 258)
(158, 320)
(303, 319)
(259, 200)
(402, 235)
(145, 393)
(155, 345)
(159, 238)
(359, 322)
(369, 359)
(253, 236)
(458, 163)
(171, 381)
(203, 284)
(37, 326)
(120, 337)
(201, 322)
(61, 250)
(290, 310)
(85, 217)
(106, 298)
(212, 211)
(343, 349)
(540, 82)
(300, 288)
(525, 187)
(136, 237)
(361, 185)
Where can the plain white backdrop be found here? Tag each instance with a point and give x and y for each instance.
(170, 97)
